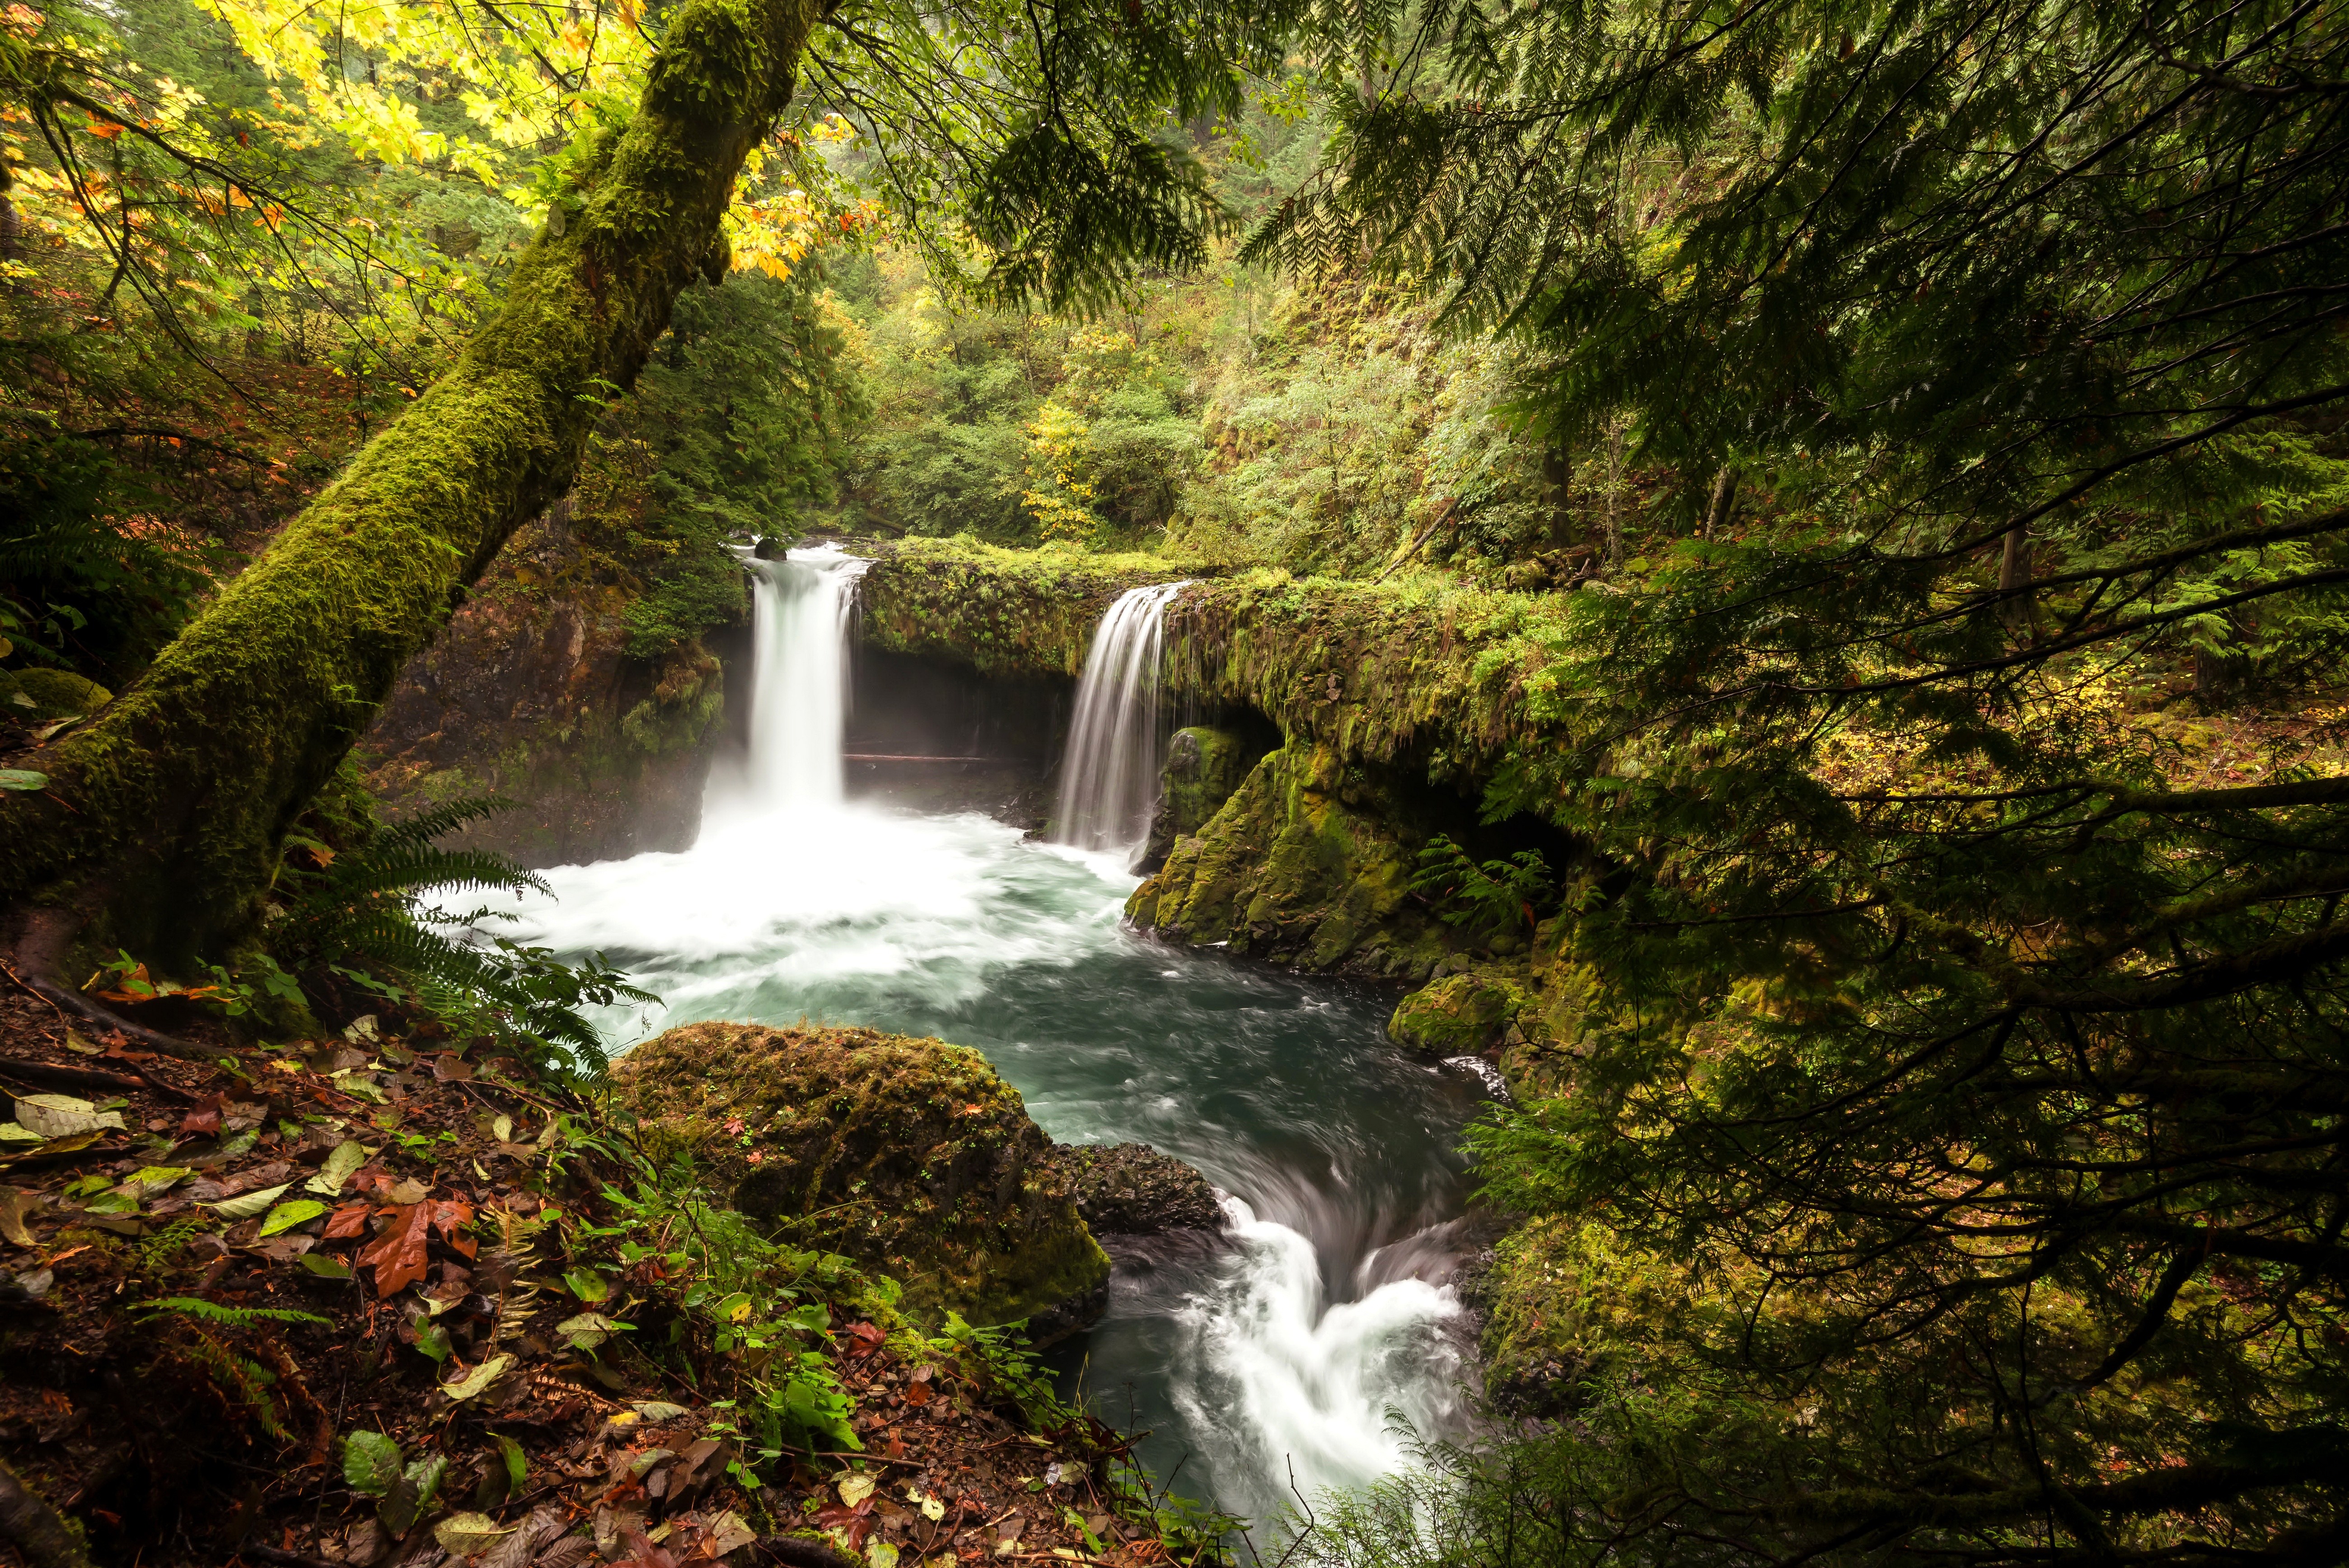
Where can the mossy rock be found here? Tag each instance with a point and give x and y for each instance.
(1308, 863)
(1458, 1015)
(910, 1156)
(1204, 766)
(1131, 1189)
(55, 693)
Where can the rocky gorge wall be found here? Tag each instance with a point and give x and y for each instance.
(530, 693)
(1373, 717)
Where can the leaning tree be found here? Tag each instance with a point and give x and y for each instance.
(1034, 149)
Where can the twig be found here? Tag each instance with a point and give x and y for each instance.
(285, 1558)
(67, 1077)
(73, 1002)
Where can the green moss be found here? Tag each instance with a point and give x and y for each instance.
(1308, 863)
(1007, 613)
(59, 693)
(1204, 767)
(908, 1155)
(1562, 1299)
(199, 768)
(1458, 1015)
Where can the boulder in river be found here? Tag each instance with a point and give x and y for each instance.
(908, 1155)
(1204, 766)
(1458, 1015)
(1131, 1189)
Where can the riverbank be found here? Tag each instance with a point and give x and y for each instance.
(374, 1299)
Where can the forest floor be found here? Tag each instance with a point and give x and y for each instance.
(354, 1301)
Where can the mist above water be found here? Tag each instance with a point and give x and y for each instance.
(1282, 1345)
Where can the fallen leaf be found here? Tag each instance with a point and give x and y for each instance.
(62, 1116)
(728, 1534)
(286, 1216)
(864, 1340)
(409, 1190)
(588, 1330)
(854, 1488)
(247, 1205)
(643, 1554)
(370, 1463)
(23, 778)
(398, 1256)
(204, 1118)
(451, 1069)
(450, 1217)
(349, 1221)
(479, 1378)
(917, 1394)
(10, 1132)
(326, 1267)
(346, 1157)
(14, 1205)
(467, 1534)
(661, 1411)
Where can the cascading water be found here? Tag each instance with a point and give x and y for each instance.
(1277, 1350)
(798, 691)
(1109, 778)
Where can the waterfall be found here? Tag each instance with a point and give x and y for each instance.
(799, 695)
(1109, 779)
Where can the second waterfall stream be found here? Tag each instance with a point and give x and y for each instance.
(1285, 1350)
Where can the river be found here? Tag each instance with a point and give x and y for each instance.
(1284, 1349)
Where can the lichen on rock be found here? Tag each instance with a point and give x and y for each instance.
(909, 1155)
(1131, 1189)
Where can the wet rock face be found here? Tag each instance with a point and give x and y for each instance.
(1131, 1189)
(1204, 766)
(1309, 864)
(910, 1156)
(529, 694)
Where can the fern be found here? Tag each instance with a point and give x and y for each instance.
(241, 1380)
(372, 906)
(1495, 892)
(227, 1316)
(159, 1249)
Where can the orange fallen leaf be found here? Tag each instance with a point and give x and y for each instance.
(348, 1220)
(398, 1256)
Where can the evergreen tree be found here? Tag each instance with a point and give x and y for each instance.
(1979, 1082)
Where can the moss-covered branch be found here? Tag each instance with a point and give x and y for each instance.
(162, 816)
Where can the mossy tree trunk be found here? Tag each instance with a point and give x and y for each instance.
(162, 819)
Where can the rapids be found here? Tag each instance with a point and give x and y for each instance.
(1284, 1346)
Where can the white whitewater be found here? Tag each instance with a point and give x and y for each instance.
(1282, 1354)
(1109, 779)
(798, 691)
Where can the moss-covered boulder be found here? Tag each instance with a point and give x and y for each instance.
(910, 1156)
(46, 694)
(1308, 863)
(1458, 1015)
(1204, 766)
(1131, 1189)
